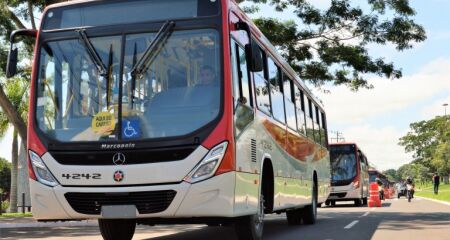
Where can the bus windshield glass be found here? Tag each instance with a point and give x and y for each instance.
(372, 176)
(177, 94)
(343, 162)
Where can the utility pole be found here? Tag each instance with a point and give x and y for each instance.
(339, 137)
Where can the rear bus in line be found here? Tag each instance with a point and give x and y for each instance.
(349, 174)
(177, 111)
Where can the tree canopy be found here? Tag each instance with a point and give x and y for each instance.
(331, 45)
(430, 143)
(5, 175)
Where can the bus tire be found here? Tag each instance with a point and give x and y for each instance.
(117, 229)
(294, 217)
(309, 213)
(358, 202)
(251, 227)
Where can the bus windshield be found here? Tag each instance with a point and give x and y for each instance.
(178, 93)
(343, 162)
(372, 176)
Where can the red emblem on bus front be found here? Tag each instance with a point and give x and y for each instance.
(118, 176)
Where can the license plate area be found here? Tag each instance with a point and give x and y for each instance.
(119, 212)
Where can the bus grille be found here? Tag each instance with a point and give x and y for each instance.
(146, 202)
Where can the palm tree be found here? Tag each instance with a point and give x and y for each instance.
(17, 92)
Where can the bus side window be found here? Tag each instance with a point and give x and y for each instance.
(323, 130)
(361, 160)
(300, 109)
(262, 91)
(316, 125)
(289, 102)
(276, 94)
(244, 80)
(309, 119)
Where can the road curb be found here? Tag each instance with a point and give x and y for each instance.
(434, 200)
(47, 225)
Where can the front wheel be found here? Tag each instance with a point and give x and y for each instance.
(117, 229)
(251, 227)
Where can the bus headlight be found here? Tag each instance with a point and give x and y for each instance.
(43, 175)
(208, 166)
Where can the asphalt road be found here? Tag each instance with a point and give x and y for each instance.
(396, 219)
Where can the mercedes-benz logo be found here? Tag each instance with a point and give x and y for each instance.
(119, 159)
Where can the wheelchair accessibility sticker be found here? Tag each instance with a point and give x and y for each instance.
(131, 129)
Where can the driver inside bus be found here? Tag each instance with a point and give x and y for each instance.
(207, 76)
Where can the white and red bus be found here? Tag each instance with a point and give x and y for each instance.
(349, 174)
(175, 111)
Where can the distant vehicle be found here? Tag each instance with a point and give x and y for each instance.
(349, 174)
(149, 112)
(401, 190)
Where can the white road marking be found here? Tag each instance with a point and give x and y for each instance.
(351, 224)
(365, 214)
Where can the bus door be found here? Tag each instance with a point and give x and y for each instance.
(245, 133)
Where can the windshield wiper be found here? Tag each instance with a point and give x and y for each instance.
(95, 58)
(141, 66)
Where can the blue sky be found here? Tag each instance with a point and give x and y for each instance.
(376, 118)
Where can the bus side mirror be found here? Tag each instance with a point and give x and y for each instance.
(11, 67)
(254, 59)
(252, 51)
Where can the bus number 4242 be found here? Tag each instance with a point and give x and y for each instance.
(77, 176)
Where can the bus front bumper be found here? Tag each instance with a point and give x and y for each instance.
(213, 197)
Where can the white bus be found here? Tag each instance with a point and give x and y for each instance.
(349, 174)
(173, 111)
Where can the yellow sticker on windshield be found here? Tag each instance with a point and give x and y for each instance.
(103, 123)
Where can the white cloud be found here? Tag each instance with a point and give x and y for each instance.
(379, 144)
(346, 107)
(355, 113)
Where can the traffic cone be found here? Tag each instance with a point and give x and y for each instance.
(374, 199)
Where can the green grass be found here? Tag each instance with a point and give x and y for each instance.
(427, 191)
(12, 215)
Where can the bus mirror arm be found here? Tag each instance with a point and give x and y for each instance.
(11, 68)
(252, 50)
